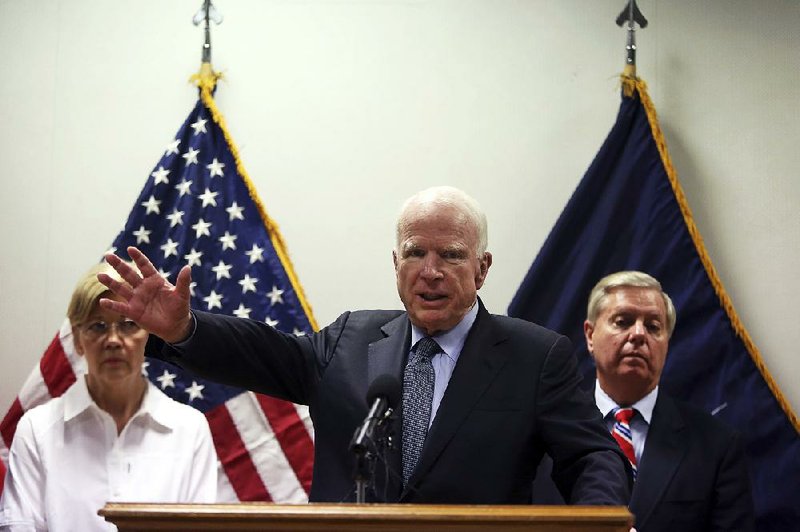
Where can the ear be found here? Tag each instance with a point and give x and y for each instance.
(483, 269)
(394, 259)
(76, 341)
(588, 331)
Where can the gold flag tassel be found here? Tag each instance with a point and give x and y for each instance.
(631, 84)
(206, 80)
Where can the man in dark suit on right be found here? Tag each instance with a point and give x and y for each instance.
(690, 470)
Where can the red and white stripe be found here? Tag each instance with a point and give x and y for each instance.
(55, 373)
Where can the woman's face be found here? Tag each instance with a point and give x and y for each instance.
(112, 345)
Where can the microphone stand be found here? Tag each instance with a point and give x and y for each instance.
(366, 449)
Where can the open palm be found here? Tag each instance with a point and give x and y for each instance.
(148, 298)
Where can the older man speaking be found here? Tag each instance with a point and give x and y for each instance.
(483, 396)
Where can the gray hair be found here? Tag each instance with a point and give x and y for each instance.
(452, 197)
(632, 279)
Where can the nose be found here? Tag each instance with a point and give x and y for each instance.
(430, 268)
(112, 335)
(637, 332)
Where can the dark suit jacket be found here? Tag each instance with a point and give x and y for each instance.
(513, 396)
(692, 475)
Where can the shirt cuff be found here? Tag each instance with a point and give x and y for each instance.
(188, 339)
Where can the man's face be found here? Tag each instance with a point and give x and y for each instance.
(438, 271)
(629, 342)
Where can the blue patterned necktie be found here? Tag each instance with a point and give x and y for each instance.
(418, 380)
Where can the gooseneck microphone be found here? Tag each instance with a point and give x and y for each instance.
(372, 437)
(383, 394)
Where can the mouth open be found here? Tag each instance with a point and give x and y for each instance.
(432, 297)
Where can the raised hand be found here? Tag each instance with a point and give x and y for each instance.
(148, 299)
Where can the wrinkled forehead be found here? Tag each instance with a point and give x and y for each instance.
(638, 300)
(430, 219)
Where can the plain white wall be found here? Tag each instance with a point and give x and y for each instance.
(342, 108)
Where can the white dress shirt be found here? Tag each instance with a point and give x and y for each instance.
(640, 423)
(67, 461)
(444, 363)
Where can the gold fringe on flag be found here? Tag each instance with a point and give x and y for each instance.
(206, 80)
(630, 84)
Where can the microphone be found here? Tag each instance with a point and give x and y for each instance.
(383, 394)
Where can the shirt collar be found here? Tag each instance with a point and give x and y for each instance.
(451, 341)
(154, 405)
(644, 405)
(77, 399)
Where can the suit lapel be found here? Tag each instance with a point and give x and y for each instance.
(387, 356)
(479, 362)
(663, 452)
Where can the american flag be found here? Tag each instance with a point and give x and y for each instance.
(200, 208)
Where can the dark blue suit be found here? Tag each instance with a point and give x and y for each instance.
(512, 397)
(692, 475)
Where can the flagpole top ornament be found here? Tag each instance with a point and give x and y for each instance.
(206, 78)
(632, 15)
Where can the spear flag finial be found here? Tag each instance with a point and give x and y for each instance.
(207, 13)
(206, 78)
(632, 16)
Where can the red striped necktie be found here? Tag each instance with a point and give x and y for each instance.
(622, 433)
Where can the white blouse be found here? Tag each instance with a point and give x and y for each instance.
(67, 461)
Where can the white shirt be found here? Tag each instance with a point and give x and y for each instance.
(67, 461)
(444, 363)
(640, 423)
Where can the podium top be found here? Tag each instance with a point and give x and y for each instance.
(365, 517)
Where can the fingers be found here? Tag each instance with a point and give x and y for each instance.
(183, 282)
(114, 306)
(121, 289)
(130, 275)
(142, 262)
(124, 270)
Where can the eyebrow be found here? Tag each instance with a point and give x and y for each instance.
(409, 246)
(631, 310)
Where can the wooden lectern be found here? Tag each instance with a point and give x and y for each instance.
(130, 517)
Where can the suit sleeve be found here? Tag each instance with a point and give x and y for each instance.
(588, 467)
(733, 501)
(252, 355)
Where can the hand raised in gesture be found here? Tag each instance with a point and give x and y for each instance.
(148, 298)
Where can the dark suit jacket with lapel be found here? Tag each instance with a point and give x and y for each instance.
(693, 474)
(513, 396)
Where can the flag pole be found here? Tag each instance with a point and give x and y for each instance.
(206, 80)
(632, 83)
(632, 15)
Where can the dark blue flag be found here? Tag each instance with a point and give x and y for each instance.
(629, 213)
